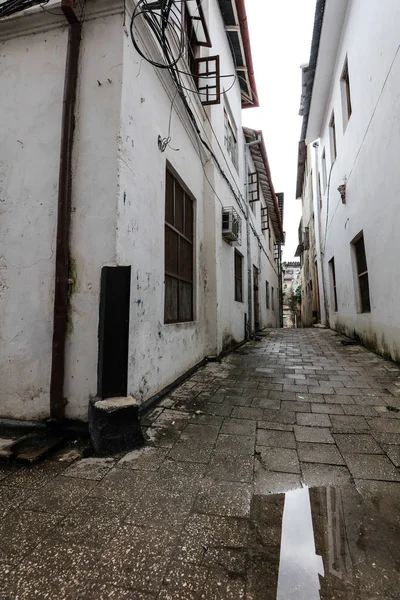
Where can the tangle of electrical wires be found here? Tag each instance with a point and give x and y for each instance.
(165, 17)
(9, 7)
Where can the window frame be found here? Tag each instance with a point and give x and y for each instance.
(230, 132)
(332, 137)
(267, 295)
(364, 302)
(238, 275)
(347, 106)
(209, 94)
(272, 298)
(189, 240)
(324, 171)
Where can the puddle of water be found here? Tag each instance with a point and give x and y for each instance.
(322, 544)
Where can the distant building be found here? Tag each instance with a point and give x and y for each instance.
(291, 294)
(348, 174)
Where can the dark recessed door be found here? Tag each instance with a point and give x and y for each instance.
(114, 332)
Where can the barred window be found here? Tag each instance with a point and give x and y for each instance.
(179, 276)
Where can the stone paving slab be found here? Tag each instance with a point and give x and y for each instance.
(188, 515)
(358, 443)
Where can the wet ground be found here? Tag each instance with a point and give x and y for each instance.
(273, 474)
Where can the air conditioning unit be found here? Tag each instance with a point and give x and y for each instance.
(231, 225)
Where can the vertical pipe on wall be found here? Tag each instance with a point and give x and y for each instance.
(60, 315)
(249, 290)
(318, 239)
(249, 262)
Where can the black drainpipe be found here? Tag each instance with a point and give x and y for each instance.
(60, 318)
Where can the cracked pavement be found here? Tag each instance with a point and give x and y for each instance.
(288, 448)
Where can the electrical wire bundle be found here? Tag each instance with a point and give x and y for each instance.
(9, 7)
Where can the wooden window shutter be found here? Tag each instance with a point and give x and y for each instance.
(264, 218)
(253, 187)
(207, 79)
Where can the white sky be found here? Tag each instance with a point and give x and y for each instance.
(280, 33)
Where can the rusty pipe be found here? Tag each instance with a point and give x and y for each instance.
(60, 314)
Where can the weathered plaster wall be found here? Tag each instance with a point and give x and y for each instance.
(367, 156)
(117, 213)
(31, 82)
(94, 201)
(158, 352)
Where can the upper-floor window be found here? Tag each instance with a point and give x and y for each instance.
(179, 240)
(205, 69)
(332, 137)
(324, 177)
(196, 30)
(346, 97)
(230, 138)
(253, 189)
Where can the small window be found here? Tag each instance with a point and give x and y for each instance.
(238, 277)
(267, 294)
(362, 274)
(333, 284)
(319, 191)
(196, 31)
(253, 193)
(346, 97)
(264, 218)
(272, 298)
(179, 276)
(207, 79)
(332, 137)
(324, 176)
(230, 139)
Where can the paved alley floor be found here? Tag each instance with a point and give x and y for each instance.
(273, 474)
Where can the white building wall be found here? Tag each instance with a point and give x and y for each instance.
(158, 352)
(367, 153)
(117, 214)
(94, 200)
(32, 80)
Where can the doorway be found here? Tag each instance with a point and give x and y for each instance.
(114, 332)
(256, 299)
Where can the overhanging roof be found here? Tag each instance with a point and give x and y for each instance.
(260, 159)
(301, 167)
(328, 26)
(236, 26)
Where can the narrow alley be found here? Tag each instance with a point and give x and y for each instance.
(273, 474)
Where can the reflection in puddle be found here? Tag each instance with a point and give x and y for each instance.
(320, 544)
(299, 564)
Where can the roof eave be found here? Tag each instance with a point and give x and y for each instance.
(244, 28)
(301, 167)
(328, 26)
(281, 237)
(259, 154)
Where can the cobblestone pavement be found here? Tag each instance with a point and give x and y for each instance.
(200, 512)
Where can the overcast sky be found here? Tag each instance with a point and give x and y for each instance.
(280, 34)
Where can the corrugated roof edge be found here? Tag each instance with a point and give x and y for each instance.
(254, 134)
(244, 29)
(268, 171)
(301, 167)
(312, 65)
